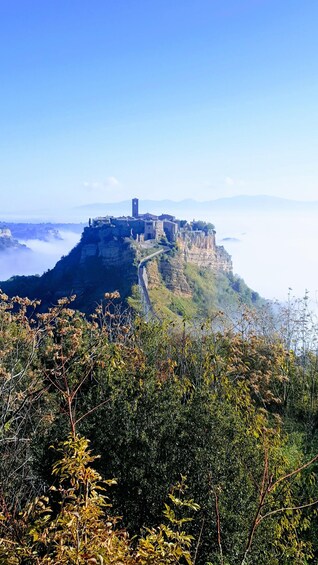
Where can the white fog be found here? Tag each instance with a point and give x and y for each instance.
(43, 256)
(275, 251)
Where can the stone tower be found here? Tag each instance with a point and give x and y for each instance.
(135, 207)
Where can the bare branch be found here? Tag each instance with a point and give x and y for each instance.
(91, 410)
(198, 542)
(293, 473)
(291, 508)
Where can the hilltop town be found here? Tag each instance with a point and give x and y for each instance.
(194, 240)
(144, 227)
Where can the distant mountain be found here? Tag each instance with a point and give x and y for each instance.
(262, 203)
(190, 207)
(187, 209)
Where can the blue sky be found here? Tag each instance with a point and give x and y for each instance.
(104, 100)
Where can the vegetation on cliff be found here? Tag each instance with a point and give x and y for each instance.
(233, 411)
(86, 276)
(195, 293)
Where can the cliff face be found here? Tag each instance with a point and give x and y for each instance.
(118, 255)
(113, 253)
(200, 249)
(172, 272)
(95, 266)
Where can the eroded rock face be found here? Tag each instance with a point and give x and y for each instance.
(172, 272)
(113, 253)
(153, 275)
(201, 250)
(104, 262)
(196, 247)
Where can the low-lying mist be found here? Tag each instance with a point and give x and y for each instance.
(273, 252)
(42, 255)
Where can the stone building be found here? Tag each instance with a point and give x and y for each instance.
(154, 229)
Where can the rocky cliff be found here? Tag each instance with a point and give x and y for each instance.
(199, 248)
(112, 252)
(95, 266)
(169, 271)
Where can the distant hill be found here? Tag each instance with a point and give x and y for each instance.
(194, 208)
(187, 208)
(42, 231)
(8, 243)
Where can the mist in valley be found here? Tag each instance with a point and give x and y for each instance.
(273, 252)
(38, 258)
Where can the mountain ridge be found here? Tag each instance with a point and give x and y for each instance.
(242, 202)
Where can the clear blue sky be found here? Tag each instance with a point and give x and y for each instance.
(101, 100)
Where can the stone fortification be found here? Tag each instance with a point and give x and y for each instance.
(199, 248)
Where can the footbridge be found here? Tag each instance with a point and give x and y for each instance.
(143, 284)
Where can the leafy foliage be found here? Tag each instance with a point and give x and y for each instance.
(232, 409)
(80, 532)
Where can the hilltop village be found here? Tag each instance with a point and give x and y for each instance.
(141, 227)
(144, 227)
(195, 240)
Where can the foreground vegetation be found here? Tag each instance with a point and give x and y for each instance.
(215, 426)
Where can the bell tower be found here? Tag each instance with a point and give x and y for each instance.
(135, 207)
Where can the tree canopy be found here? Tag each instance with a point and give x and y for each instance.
(215, 425)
